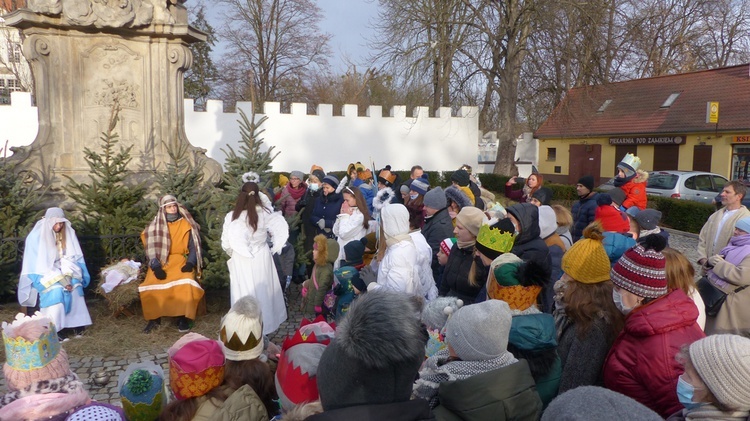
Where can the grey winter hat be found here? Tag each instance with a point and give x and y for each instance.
(618, 195)
(298, 174)
(437, 311)
(331, 180)
(647, 219)
(723, 363)
(377, 352)
(480, 331)
(591, 402)
(435, 198)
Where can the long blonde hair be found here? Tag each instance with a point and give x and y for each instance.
(680, 272)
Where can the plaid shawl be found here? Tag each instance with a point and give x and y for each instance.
(157, 233)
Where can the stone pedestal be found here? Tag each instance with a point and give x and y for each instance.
(88, 56)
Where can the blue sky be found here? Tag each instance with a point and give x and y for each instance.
(349, 23)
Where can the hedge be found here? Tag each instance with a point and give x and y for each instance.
(683, 215)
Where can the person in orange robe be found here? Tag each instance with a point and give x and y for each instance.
(173, 249)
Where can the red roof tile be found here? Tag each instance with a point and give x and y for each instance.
(636, 105)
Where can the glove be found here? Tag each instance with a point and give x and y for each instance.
(321, 223)
(159, 272)
(714, 260)
(188, 267)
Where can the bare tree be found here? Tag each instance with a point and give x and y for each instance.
(273, 45)
(419, 40)
(726, 37)
(12, 61)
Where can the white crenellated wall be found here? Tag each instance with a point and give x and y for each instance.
(441, 143)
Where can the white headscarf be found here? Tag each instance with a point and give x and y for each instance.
(40, 252)
(395, 220)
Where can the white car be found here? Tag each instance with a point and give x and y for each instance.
(698, 186)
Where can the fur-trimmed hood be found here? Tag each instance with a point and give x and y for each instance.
(640, 176)
(453, 194)
(328, 249)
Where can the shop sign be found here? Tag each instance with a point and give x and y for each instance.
(647, 140)
(741, 139)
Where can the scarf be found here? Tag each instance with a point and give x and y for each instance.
(156, 235)
(466, 244)
(619, 182)
(710, 412)
(437, 370)
(296, 193)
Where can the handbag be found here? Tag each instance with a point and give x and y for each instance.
(712, 296)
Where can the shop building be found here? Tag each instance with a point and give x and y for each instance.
(692, 121)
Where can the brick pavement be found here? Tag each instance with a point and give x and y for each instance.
(87, 367)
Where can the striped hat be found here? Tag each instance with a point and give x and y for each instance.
(641, 269)
(420, 185)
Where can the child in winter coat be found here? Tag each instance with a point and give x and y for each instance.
(632, 181)
(346, 289)
(325, 251)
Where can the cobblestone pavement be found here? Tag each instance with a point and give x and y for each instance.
(87, 367)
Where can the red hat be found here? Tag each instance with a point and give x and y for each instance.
(196, 365)
(641, 269)
(612, 219)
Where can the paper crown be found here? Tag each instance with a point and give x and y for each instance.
(24, 355)
(141, 388)
(631, 161)
(241, 331)
(386, 177)
(316, 331)
(196, 368)
(494, 239)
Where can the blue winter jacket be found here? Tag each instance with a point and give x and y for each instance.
(326, 207)
(584, 213)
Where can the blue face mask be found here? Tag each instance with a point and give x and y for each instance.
(413, 196)
(685, 393)
(313, 187)
(617, 298)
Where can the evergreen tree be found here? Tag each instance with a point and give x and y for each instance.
(249, 157)
(202, 73)
(109, 204)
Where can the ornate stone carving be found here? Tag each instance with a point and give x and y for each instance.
(45, 7)
(122, 67)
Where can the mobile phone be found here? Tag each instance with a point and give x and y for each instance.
(520, 180)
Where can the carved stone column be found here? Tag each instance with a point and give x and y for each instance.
(88, 55)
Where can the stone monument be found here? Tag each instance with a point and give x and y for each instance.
(89, 57)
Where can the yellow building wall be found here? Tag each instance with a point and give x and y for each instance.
(721, 154)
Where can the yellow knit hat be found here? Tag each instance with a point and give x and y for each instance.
(586, 261)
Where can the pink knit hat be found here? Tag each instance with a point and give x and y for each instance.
(33, 352)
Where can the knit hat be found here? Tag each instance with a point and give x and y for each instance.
(640, 270)
(454, 195)
(516, 282)
(435, 199)
(461, 177)
(617, 194)
(743, 224)
(494, 240)
(404, 189)
(447, 244)
(283, 180)
(480, 331)
(434, 316)
(543, 195)
(353, 253)
(581, 403)
(196, 365)
(421, 185)
(723, 363)
(98, 411)
(241, 331)
(359, 283)
(586, 261)
(587, 181)
(296, 373)
(472, 219)
(331, 180)
(648, 219)
(371, 241)
(32, 351)
(547, 221)
(141, 388)
(377, 352)
(297, 174)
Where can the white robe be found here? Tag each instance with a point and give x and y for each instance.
(251, 267)
(348, 228)
(424, 265)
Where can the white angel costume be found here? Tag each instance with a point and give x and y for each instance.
(251, 268)
(424, 265)
(54, 271)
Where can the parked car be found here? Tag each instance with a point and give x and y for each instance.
(745, 200)
(686, 185)
(609, 185)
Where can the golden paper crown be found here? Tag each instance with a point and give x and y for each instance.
(631, 161)
(494, 239)
(25, 355)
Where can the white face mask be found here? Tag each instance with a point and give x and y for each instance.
(413, 196)
(617, 298)
(313, 187)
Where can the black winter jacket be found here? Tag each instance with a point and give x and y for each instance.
(413, 410)
(455, 281)
(529, 246)
(436, 229)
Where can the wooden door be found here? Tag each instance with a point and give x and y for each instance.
(666, 157)
(702, 158)
(585, 160)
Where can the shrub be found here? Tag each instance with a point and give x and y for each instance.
(491, 182)
(683, 215)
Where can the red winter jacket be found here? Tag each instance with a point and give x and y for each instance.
(635, 191)
(641, 363)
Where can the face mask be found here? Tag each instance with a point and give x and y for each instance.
(314, 187)
(413, 196)
(452, 214)
(617, 298)
(685, 393)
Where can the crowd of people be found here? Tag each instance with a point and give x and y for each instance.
(420, 302)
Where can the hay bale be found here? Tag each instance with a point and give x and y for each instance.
(122, 295)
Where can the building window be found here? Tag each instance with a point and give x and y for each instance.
(558, 169)
(13, 85)
(14, 53)
(740, 163)
(670, 100)
(551, 154)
